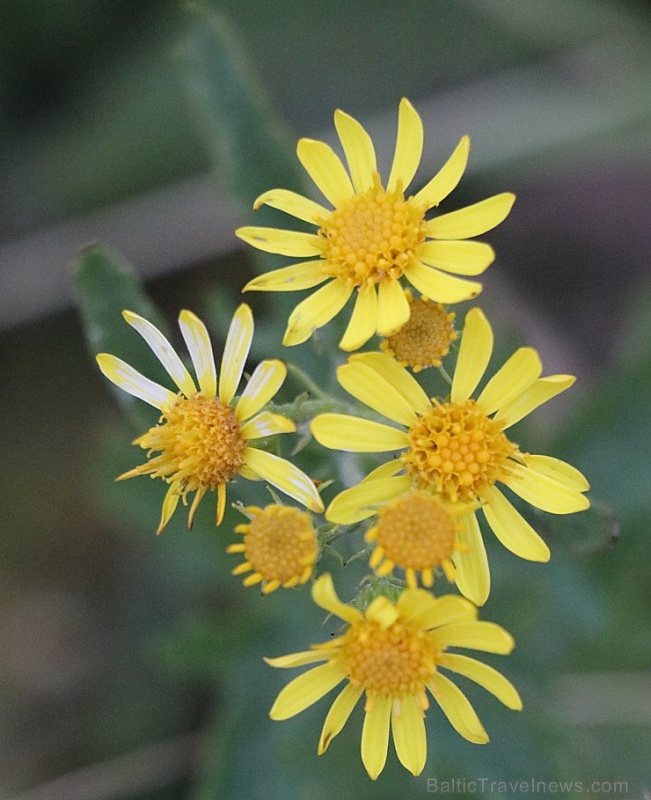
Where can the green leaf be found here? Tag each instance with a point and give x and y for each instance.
(106, 285)
(246, 139)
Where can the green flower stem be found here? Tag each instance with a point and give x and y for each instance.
(303, 410)
(444, 373)
(307, 382)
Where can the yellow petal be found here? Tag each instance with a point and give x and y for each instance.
(323, 165)
(221, 504)
(198, 497)
(472, 220)
(266, 380)
(130, 380)
(513, 378)
(512, 529)
(170, 503)
(325, 596)
(447, 178)
(236, 351)
(361, 501)
(358, 147)
(367, 386)
(284, 476)
(472, 574)
(163, 351)
(315, 311)
(382, 611)
(375, 736)
(292, 203)
(457, 709)
(476, 636)
(460, 257)
(248, 473)
(535, 395)
(439, 286)
(284, 243)
(386, 470)
(409, 147)
(415, 604)
(266, 424)
(491, 680)
(341, 432)
(298, 659)
(398, 377)
(544, 492)
(363, 321)
(305, 690)
(559, 470)
(409, 738)
(196, 338)
(474, 354)
(305, 275)
(393, 307)
(445, 611)
(338, 715)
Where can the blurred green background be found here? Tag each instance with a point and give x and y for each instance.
(131, 666)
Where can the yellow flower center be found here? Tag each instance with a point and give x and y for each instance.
(371, 236)
(390, 662)
(280, 543)
(458, 451)
(425, 338)
(199, 442)
(416, 531)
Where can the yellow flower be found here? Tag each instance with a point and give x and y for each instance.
(424, 340)
(374, 235)
(203, 440)
(416, 532)
(456, 449)
(280, 547)
(394, 653)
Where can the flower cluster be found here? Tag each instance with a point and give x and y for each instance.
(450, 463)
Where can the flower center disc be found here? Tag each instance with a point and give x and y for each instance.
(390, 662)
(373, 235)
(416, 531)
(280, 543)
(425, 338)
(458, 451)
(199, 442)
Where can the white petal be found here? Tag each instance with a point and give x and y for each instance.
(198, 343)
(266, 380)
(266, 424)
(284, 476)
(236, 351)
(163, 351)
(130, 380)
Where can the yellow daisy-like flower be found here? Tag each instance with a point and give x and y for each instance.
(416, 532)
(457, 449)
(280, 547)
(203, 440)
(394, 653)
(373, 235)
(424, 340)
